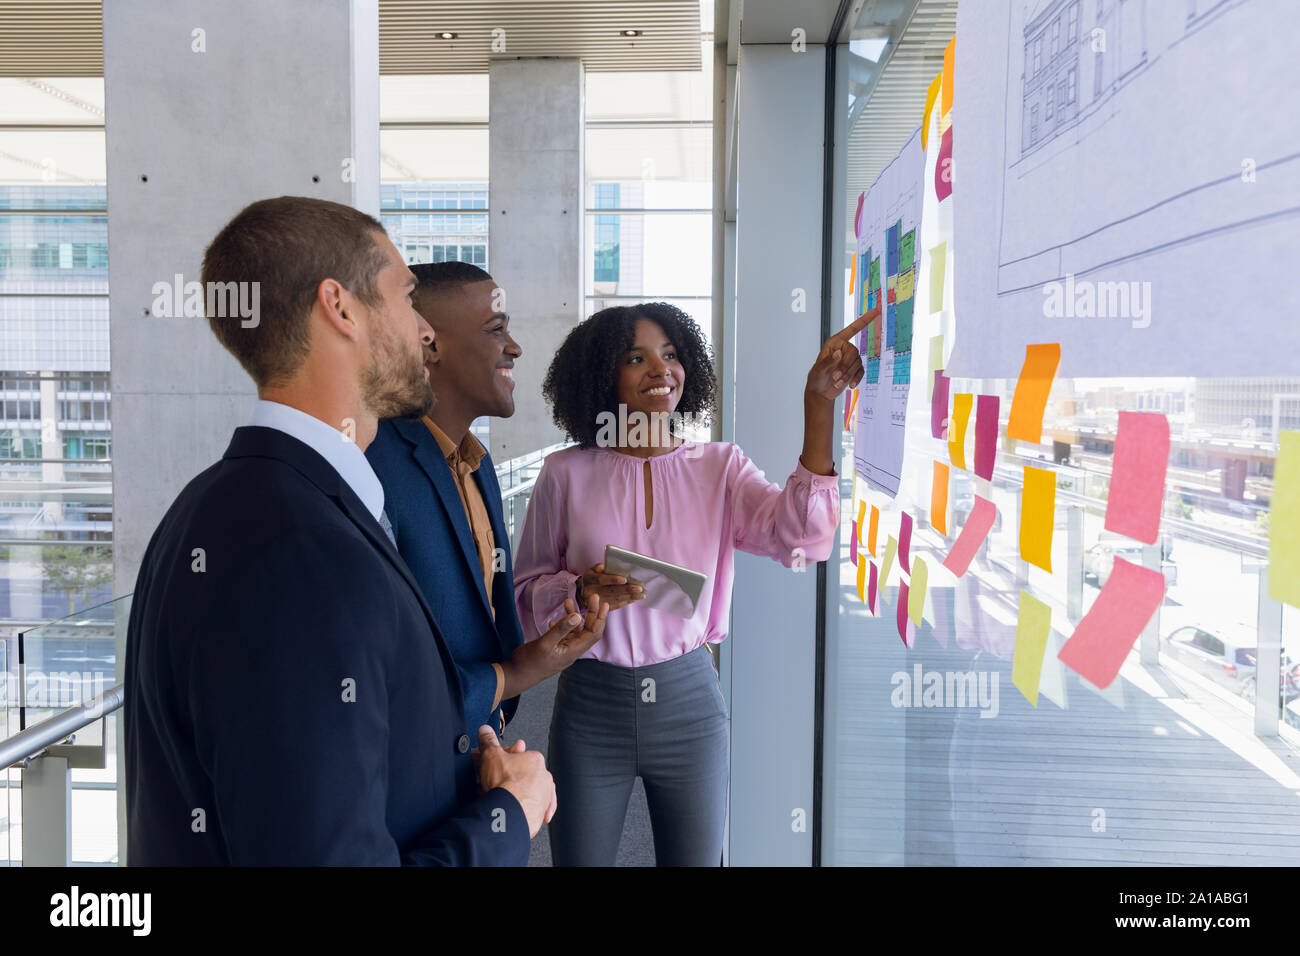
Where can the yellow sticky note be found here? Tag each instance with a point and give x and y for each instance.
(935, 364)
(1037, 507)
(1033, 625)
(853, 277)
(931, 95)
(906, 286)
(891, 549)
(871, 532)
(938, 269)
(961, 406)
(1284, 525)
(862, 578)
(916, 590)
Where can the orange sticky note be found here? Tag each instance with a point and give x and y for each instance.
(931, 95)
(949, 58)
(1037, 507)
(961, 406)
(939, 499)
(1032, 388)
(853, 277)
(871, 531)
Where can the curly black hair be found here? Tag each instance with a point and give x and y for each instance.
(581, 382)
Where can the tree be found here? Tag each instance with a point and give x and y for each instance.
(75, 571)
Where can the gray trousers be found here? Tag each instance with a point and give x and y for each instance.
(667, 724)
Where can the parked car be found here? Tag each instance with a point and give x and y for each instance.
(1288, 679)
(1223, 660)
(1100, 558)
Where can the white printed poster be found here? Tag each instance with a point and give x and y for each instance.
(888, 260)
(1129, 177)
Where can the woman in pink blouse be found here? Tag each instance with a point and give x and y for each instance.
(644, 701)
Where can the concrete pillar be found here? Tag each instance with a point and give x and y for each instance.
(210, 106)
(536, 183)
(773, 642)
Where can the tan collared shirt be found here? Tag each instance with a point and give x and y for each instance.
(464, 461)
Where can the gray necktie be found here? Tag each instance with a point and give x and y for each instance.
(387, 526)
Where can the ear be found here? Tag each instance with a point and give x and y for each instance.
(335, 304)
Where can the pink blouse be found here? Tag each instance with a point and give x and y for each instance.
(709, 499)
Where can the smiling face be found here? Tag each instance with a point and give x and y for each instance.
(650, 377)
(394, 383)
(472, 356)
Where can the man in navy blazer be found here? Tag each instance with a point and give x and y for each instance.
(289, 696)
(442, 496)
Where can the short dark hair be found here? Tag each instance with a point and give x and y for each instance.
(289, 245)
(581, 381)
(433, 278)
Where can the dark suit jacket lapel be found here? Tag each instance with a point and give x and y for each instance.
(428, 454)
(258, 442)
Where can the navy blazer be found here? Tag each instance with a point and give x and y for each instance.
(289, 698)
(434, 537)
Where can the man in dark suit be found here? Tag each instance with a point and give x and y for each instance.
(289, 697)
(442, 496)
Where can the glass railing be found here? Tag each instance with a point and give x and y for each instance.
(516, 478)
(61, 806)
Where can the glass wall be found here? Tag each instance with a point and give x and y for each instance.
(933, 754)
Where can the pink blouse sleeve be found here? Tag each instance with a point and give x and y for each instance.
(542, 581)
(780, 523)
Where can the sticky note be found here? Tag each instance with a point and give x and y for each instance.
(1037, 517)
(973, 533)
(871, 588)
(931, 95)
(943, 167)
(862, 571)
(939, 499)
(905, 542)
(872, 528)
(901, 615)
(916, 591)
(1032, 388)
(961, 404)
(949, 60)
(986, 435)
(938, 268)
(853, 278)
(935, 363)
(1137, 475)
(857, 216)
(1033, 624)
(907, 285)
(939, 405)
(1098, 646)
(891, 549)
(853, 545)
(1284, 525)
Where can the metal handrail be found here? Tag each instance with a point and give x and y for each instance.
(26, 744)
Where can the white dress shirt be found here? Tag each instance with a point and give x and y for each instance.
(331, 444)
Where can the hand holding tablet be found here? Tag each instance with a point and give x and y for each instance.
(669, 588)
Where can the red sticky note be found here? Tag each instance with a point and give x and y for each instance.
(853, 545)
(902, 612)
(1106, 634)
(943, 168)
(986, 434)
(871, 587)
(1137, 475)
(973, 533)
(939, 406)
(904, 541)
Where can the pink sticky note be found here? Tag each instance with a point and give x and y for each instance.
(905, 541)
(871, 587)
(943, 168)
(1106, 634)
(902, 613)
(986, 434)
(973, 533)
(1137, 475)
(857, 216)
(853, 544)
(939, 406)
